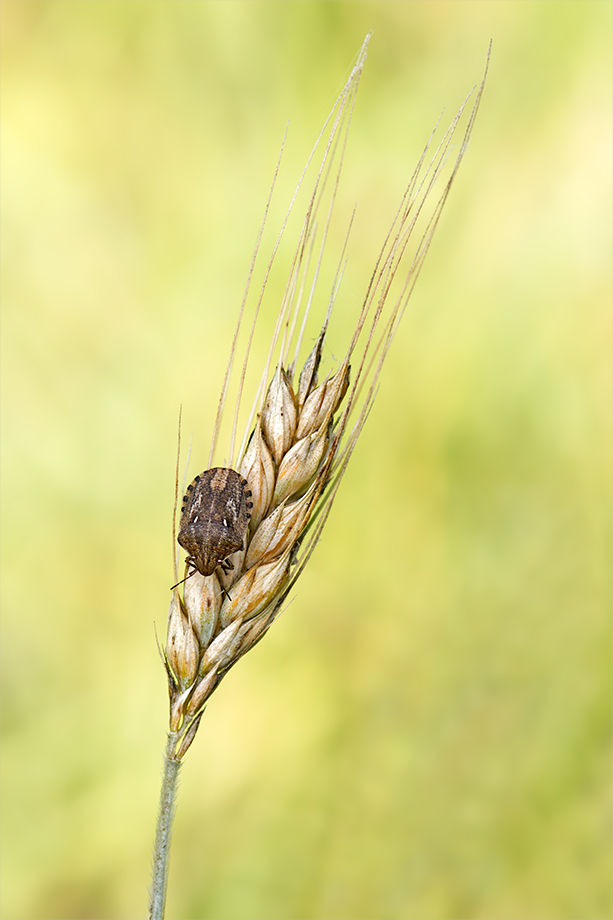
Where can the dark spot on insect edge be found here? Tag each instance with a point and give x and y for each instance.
(214, 519)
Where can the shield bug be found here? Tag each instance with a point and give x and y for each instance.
(214, 519)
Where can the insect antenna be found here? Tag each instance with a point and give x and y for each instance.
(193, 572)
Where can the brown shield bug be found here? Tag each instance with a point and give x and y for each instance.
(214, 519)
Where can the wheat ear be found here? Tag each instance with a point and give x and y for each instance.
(298, 439)
(287, 465)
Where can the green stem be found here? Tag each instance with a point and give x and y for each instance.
(161, 851)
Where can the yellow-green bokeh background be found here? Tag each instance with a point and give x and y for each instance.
(426, 731)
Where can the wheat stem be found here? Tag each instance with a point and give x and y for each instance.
(163, 832)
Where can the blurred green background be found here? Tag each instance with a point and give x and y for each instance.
(426, 732)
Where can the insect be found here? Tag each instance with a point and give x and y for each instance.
(214, 519)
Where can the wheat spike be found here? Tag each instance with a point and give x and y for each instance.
(286, 464)
(300, 435)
